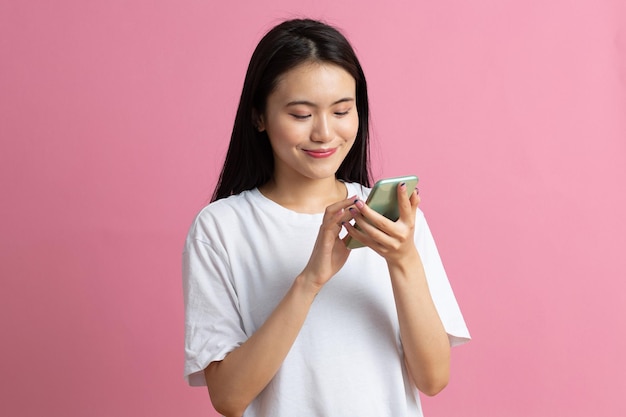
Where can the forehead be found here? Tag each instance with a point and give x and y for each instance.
(315, 80)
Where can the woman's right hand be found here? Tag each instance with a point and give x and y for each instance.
(236, 380)
(329, 253)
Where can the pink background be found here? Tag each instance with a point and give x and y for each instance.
(114, 120)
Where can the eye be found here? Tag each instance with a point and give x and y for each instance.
(300, 116)
(342, 113)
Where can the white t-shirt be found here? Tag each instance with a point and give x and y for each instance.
(242, 255)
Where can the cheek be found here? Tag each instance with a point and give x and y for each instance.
(350, 128)
(284, 132)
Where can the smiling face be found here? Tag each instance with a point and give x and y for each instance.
(311, 120)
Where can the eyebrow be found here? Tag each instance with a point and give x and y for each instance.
(311, 104)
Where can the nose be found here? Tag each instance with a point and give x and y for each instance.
(322, 130)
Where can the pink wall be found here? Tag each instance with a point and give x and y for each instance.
(114, 119)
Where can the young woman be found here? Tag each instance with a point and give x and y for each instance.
(282, 319)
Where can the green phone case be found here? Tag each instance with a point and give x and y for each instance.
(383, 199)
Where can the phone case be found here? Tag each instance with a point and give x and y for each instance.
(383, 199)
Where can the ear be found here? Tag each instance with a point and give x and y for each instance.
(258, 121)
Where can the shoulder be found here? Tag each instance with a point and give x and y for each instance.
(228, 206)
(223, 214)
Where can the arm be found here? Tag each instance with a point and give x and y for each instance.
(424, 339)
(236, 380)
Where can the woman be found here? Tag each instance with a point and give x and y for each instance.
(282, 319)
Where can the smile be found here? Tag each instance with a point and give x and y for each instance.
(320, 153)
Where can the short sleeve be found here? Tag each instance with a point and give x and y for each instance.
(438, 283)
(212, 320)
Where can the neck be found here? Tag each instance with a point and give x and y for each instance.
(305, 195)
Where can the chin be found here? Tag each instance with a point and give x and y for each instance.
(324, 174)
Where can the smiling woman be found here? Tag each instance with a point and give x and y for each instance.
(311, 121)
(249, 161)
(282, 318)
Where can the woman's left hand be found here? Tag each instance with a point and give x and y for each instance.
(424, 339)
(392, 240)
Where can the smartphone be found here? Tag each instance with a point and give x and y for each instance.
(384, 199)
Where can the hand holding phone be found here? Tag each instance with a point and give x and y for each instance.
(384, 199)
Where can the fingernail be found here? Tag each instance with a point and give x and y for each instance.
(359, 203)
(417, 190)
(403, 185)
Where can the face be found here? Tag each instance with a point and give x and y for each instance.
(311, 120)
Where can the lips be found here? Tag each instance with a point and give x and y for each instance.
(320, 153)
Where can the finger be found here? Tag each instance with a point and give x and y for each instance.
(415, 199)
(404, 204)
(336, 211)
(372, 237)
(374, 229)
(346, 216)
(356, 232)
(367, 217)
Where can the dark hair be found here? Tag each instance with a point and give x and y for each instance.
(249, 161)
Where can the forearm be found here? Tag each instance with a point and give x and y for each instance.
(424, 339)
(235, 381)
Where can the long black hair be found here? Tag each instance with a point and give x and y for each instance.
(249, 161)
